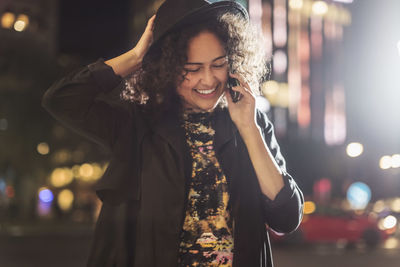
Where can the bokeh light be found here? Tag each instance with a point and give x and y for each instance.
(86, 171)
(10, 192)
(395, 205)
(358, 195)
(379, 206)
(45, 195)
(3, 186)
(319, 8)
(65, 199)
(396, 161)
(354, 149)
(391, 243)
(280, 62)
(61, 177)
(43, 148)
(385, 162)
(389, 222)
(7, 20)
(295, 4)
(21, 23)
(270, 88)
(309, 207)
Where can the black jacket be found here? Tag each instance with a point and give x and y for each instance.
(144, 188)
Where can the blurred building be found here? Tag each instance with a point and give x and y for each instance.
(28, 40)
(305, 40)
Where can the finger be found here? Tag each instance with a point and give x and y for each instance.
(150, 23)
(243, 91)
(240, 79)
(228, 97)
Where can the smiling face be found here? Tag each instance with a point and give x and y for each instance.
(207, 73)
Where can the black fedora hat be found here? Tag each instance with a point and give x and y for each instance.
(174, 14)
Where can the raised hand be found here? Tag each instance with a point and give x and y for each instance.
(145, 40)
(130, 61)
(242, 112)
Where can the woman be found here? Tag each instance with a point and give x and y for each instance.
(195, 177)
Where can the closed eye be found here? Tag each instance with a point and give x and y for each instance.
(192, 70)
(219, 66)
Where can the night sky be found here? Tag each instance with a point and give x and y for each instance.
(94, 28)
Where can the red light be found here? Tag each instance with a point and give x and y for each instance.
(10, 191)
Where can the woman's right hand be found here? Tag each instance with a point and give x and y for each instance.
(130, 61)
(145, 40)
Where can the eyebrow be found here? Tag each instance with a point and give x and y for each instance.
(197, 63)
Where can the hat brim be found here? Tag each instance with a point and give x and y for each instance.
(203, 13)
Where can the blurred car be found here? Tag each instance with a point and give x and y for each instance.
(336, 226)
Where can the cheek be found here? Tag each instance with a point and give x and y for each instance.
(185, 88)
(223, 77)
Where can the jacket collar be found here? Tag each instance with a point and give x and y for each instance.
(169, 127)
(225, 129)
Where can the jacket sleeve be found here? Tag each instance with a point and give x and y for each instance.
(88, 101)
(285, 212)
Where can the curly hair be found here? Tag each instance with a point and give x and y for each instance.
(154, 84)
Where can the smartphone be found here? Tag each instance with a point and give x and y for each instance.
(231, 83)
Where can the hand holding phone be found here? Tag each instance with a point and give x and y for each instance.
(236, 96)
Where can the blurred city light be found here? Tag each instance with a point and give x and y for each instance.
(276, 93)
(309, 207)
(19, 26)
(319, 8)
(62, 156)
(61, 177)
(391, 243)
(10, 192)
(396, 161)
(3, 124)
(295, 4)
(44, 208)
(270, 88)
(280, 62)
(3, 186)
(354, 149)
(97, 171)
(45, 195)
(322, 190)
(43, 148)
(385, 162)
(7, 20)
(395, 205)
(358, 195)
(86, 171)
(379, 206)
(279, 24)
(65, 199)
(388, 222)
(21, 23)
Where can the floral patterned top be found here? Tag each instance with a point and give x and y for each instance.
(207, 234)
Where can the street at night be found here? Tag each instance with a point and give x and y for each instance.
(278, 115)
(72, 247)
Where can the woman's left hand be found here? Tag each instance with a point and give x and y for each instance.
(242, 112)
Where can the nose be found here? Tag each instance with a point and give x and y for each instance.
(208, 78)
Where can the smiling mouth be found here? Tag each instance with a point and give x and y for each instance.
(205, 92)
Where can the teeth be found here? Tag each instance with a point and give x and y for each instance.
(204, 92)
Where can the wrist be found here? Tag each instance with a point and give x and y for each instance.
(248, 132)
(135, 60)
